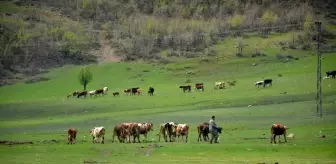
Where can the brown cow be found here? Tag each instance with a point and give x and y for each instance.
(203, 129)
(132, 129)
(121, 132)
(83, 93)
(182, 130)
(199, 86)
(145, 128)
(72, 135)
(278, 130)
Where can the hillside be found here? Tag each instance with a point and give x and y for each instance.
(39, 35)
(40, 113)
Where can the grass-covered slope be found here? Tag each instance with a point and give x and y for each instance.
(40, 111)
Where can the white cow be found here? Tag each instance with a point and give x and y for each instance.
(97, 133)
(219, 85)
(91, 93)
(259, 83)
(182, 130)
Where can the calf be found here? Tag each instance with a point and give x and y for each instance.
(268, 81)
(72, 135)
(278, 130)
(151, 91)
(259, 83)
(83, 93)
(97, 133)
(182, 130)
(115, 94)
(331, 73)
(203, 129)
(186, 88)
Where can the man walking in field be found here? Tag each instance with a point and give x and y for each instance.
(213, 128)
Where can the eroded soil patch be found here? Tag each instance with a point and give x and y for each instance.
(15, 142)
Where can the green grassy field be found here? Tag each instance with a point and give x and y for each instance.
(41, 113)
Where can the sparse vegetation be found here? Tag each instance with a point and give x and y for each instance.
(46, 34)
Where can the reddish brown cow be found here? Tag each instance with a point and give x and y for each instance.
(72, 135)
(278, 130)
(121, 132)
(203, 129)
(132, 129)
(199, 86)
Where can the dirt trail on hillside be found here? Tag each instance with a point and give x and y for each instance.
(106, 53)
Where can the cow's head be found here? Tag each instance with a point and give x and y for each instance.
(91, 131)
(149, 126)
(285, 127)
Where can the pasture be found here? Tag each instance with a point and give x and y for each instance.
(41, 113)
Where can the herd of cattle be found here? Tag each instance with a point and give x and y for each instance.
(169, 130)
(198, 87)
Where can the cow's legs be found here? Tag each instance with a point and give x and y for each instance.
(93, 139)
(199, 137)
(186, 138)
(145, 135)
(103, 140)
(285, 137)
(274, 139)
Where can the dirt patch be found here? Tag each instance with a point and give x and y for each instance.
(15, 142)
(90, 162)
(49, 142)
(36, 80)
(147, 150)
(255, 138)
